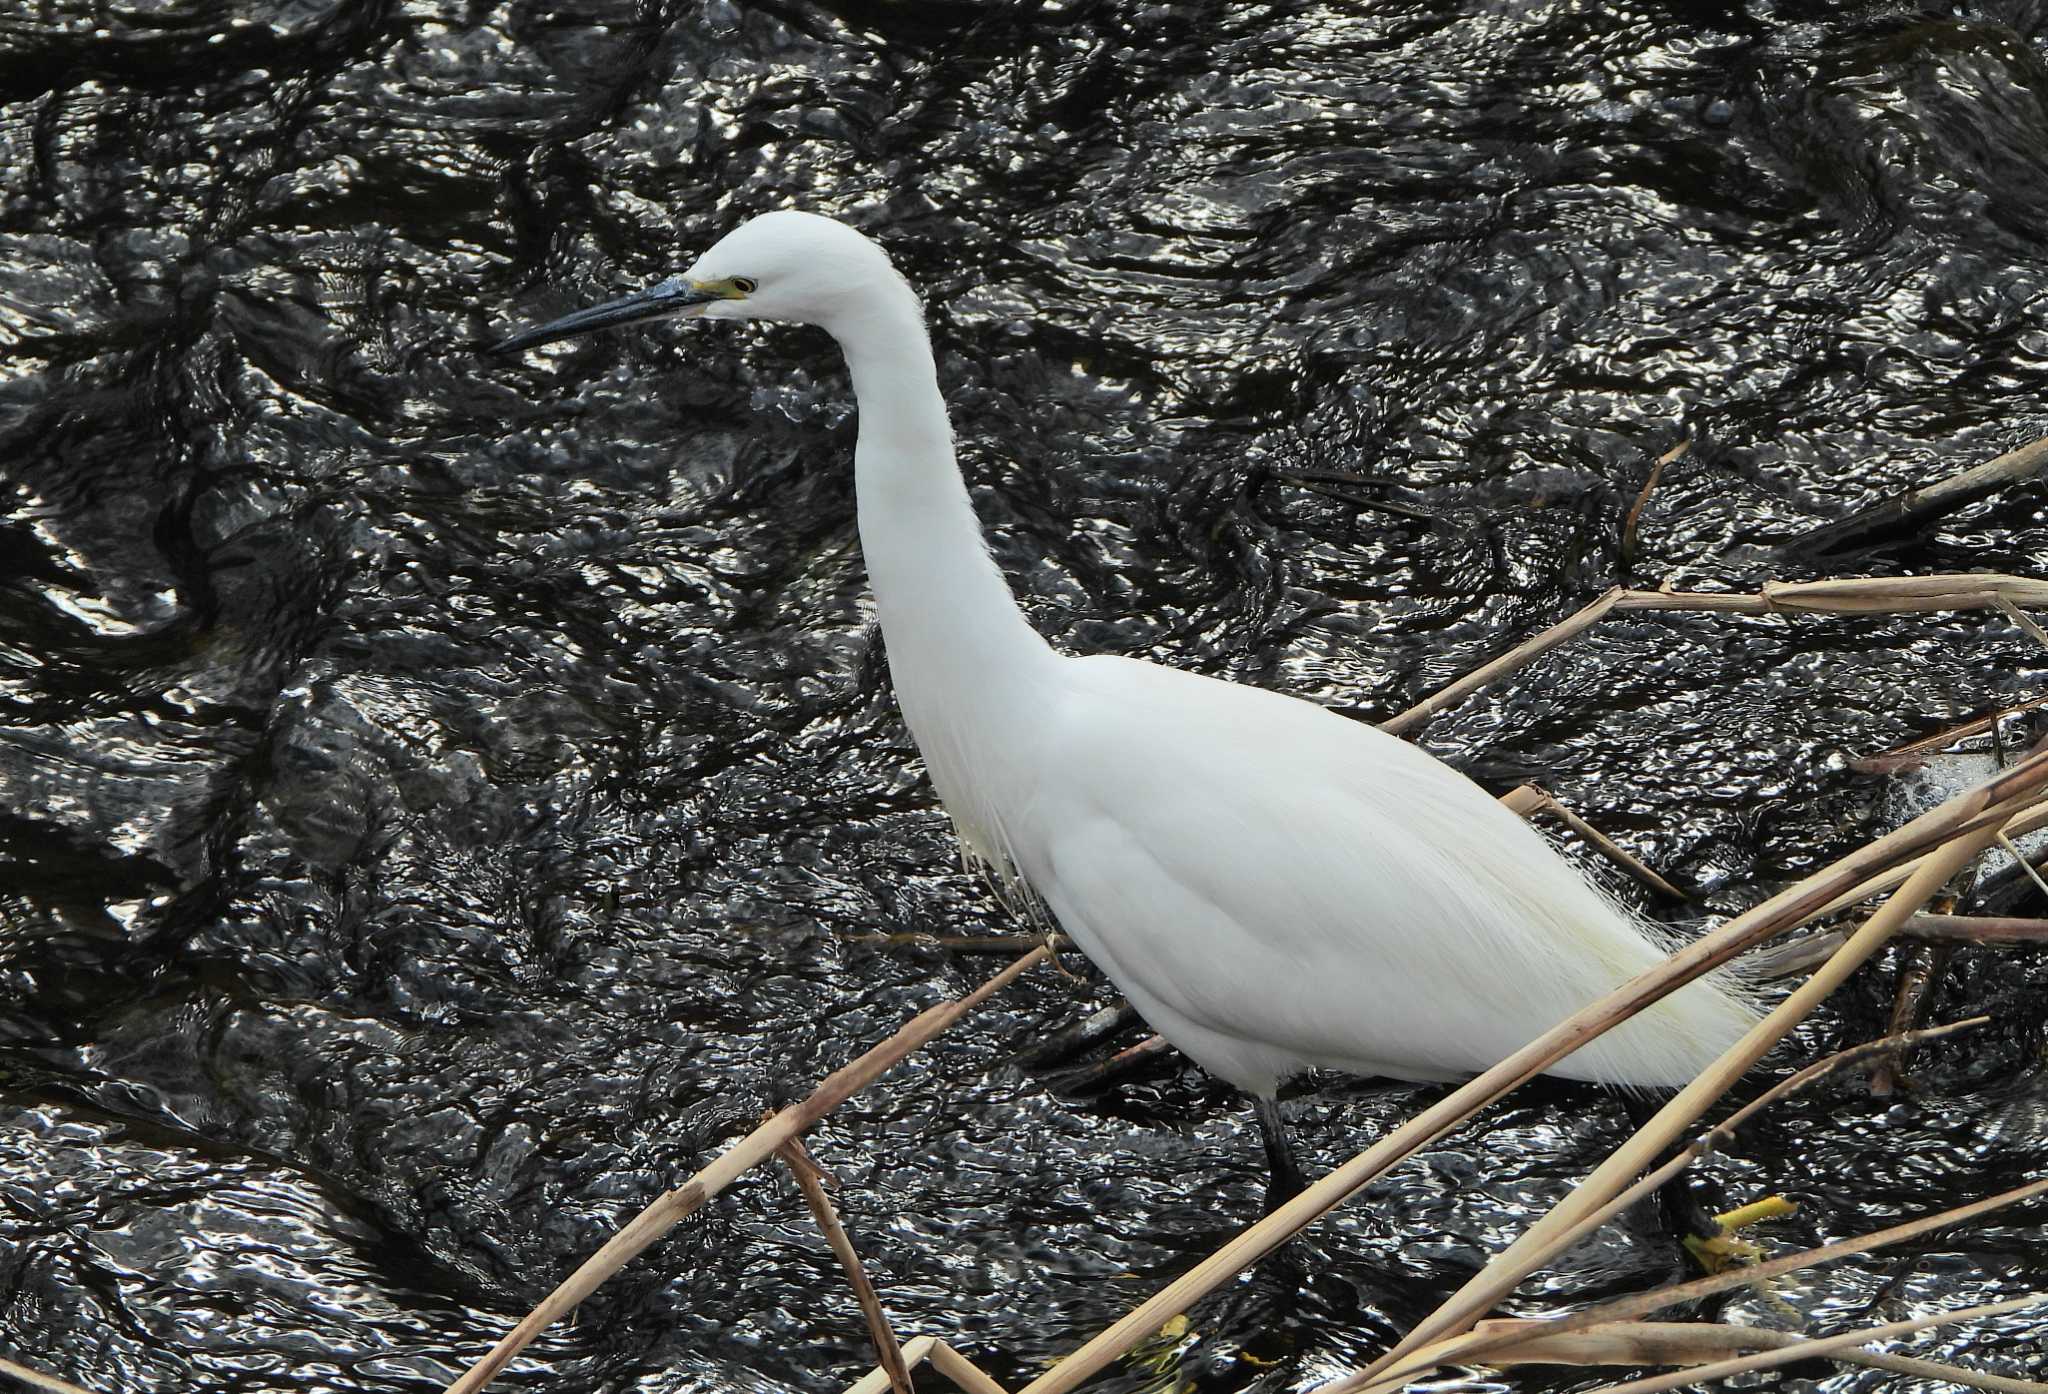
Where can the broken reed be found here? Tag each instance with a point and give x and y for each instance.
(1910, 595)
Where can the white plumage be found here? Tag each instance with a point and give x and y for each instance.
(1273, 886)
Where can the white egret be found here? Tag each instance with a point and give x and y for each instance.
(1275, 887)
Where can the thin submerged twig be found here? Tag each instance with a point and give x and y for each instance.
(1530, 799)
(1635, 512)
(1923, 966)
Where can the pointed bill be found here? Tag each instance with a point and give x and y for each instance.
(675, 296)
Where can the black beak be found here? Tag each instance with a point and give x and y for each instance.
(671, 297)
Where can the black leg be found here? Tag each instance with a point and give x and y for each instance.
(1687, 1203)
(1286, 1182)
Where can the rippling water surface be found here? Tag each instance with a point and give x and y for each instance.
(442, 798)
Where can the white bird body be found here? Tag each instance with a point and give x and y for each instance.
(1274, 886)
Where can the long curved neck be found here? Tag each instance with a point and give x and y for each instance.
(964, 659)
(945, 610)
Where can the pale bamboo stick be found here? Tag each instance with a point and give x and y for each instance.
(668, 1211)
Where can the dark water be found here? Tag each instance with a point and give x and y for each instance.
(439, 795)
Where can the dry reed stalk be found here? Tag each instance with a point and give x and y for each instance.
(1635, 512)
(1530, 799)
(2020, 618)
(1978, 929)
(1972, 810)
(967, 1376)
(1902, 512)
(1861, 596)
(36, 1379)
(2024, 819)
(668, 1211)
(1915, 752)
(1695, 1343)
(1808, 1349)
(1900, 595)
(915, 1352)
(956, 1367)
(811, 1181)
(1474, 1346)
(1541, 1241)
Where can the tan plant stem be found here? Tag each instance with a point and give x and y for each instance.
(1695, 1343)
(1635, 512)
(665, 1213)
(1861, 596)
(811, 1182)
(1807, 1350)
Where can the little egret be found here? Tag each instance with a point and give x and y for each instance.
(1275, 887)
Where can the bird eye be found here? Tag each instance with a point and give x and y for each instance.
(743, 284)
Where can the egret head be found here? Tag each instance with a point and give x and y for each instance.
(784, 266)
